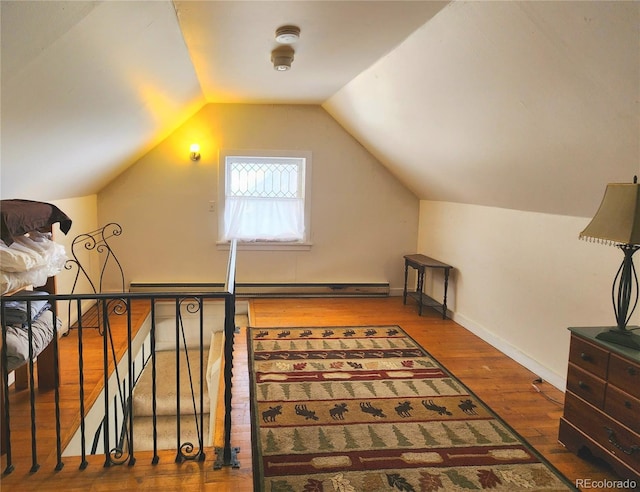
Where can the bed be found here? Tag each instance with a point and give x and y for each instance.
(29, 258)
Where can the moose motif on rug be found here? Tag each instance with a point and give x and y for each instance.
(370, 409)
(307, 414)
(468, 407)
(441, 410)
(403, 409)
(271, 414)
(338, 410)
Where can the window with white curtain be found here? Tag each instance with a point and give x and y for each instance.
(265, 197)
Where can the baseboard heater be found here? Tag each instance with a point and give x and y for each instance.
(272, 289)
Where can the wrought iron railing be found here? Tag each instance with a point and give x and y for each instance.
(115, 425)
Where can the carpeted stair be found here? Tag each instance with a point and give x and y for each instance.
(166, 393)
(166, 422)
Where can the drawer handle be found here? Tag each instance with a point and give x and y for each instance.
(612, 440)
(584, 356)
(631, 371)
(582, 385)
(628, 404)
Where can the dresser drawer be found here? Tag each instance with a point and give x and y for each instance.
(616, 439)
(625, 375)
(589, 357)
(623, 407)
(586, 385)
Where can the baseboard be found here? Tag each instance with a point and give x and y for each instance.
(273, 289)
(396, 291)
(511, 351)
(313, 290)
(189, 287)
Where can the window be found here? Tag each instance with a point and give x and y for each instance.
(265, 197)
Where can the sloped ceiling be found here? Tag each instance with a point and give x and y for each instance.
(525, 105)
(86, 88)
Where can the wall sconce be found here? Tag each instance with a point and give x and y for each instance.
(195, 152)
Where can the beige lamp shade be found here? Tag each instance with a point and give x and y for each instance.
(617, 221)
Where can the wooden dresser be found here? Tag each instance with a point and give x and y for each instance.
(602, 402)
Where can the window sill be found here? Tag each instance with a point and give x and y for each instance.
(265, 246)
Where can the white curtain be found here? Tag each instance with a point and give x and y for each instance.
(263, 219)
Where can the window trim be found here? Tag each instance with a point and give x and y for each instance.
(265, 245)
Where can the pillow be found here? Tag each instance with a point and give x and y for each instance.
(17, 217)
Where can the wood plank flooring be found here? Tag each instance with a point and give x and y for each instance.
(502, 383)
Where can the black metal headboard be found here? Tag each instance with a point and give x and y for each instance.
(98, 241)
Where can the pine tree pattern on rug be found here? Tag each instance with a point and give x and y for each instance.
(367, 409)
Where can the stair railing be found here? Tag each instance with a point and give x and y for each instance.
(118, 437)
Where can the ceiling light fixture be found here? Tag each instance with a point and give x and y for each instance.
(282, 58)
(287, 34)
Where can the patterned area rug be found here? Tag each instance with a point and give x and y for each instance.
(354, 409)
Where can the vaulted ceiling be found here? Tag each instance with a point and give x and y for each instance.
(524, 105)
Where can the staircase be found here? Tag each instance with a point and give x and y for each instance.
(186, 395)
(168, 399)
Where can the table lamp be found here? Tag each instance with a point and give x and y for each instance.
(617, 223)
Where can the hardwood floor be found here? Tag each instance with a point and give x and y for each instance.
(502, 383)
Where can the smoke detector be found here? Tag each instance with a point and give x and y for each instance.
(282, 58)
(287, 34)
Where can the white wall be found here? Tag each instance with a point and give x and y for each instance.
(362, 219)
(521, 278)
(83, 212)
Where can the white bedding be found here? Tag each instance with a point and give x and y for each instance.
(30, 260)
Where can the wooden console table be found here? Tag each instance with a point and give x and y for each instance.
(420, 263)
